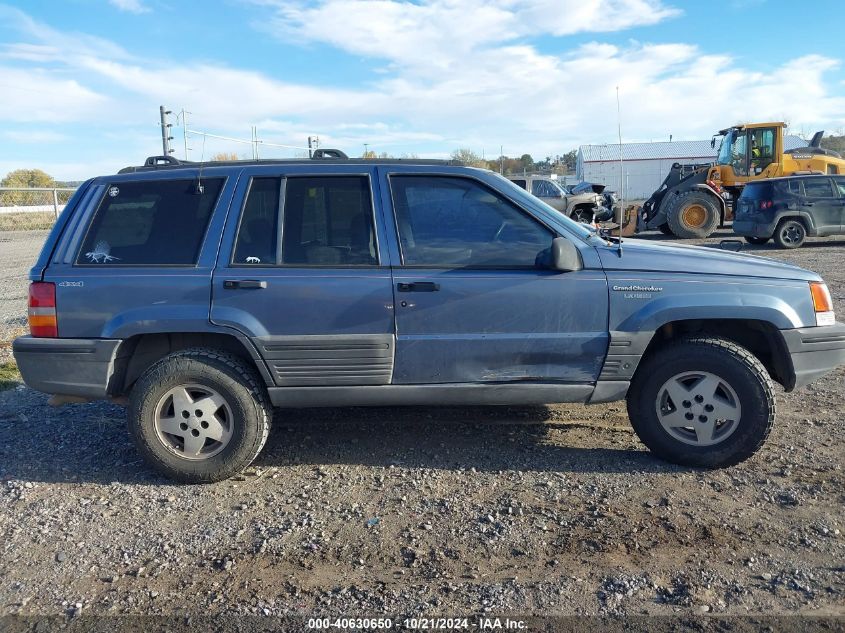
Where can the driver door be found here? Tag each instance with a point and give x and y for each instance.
(472, 305)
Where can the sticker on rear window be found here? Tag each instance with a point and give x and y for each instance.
(100, 254)
(113, 191)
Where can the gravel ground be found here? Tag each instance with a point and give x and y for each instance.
(430, 511)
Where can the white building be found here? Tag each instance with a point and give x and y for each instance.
(645, 165)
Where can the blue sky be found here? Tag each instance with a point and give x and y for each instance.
(81, 80)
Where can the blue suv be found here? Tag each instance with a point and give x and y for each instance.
(203, 295)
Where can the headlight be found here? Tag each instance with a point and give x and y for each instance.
(822, 303)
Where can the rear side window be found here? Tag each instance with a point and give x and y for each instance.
(795, 187)
(818, 188)
(150, 223)
(328, 221)
(839, 182)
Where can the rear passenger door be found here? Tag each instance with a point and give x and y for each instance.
(300, 272)
(820, 202)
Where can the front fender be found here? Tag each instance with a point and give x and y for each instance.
(727, 305)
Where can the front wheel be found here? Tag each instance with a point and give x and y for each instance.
(199, 415)
(702, 402)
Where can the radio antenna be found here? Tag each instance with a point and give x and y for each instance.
(200, 189)
(621, 166)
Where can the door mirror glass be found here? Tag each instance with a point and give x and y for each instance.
(565, 257)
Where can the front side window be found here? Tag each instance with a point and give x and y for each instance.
(328, 221)
(150, 223)
(839, 182)
(817, 188)
(457, 222)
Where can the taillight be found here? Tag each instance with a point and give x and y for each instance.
(822, 303)
(42, 310)
(766, 204)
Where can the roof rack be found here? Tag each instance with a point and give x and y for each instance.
(153, 163)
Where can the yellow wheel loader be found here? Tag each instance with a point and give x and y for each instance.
(695, 199)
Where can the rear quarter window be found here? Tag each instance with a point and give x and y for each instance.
(150, 223)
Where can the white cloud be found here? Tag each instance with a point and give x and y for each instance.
(36, 95)
(456, 74)
(130, 6)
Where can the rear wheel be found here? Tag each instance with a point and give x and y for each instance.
(694, 214)
(702, 402)
(199, 415)
(790, 234)
(757, 241)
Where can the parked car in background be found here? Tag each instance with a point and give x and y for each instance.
(581, 205)
(791, 208)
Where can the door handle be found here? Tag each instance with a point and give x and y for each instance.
(418, 286)
(231, 284)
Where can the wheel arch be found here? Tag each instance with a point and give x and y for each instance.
(137, 353)
(760, 337)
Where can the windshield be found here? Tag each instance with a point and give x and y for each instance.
(725, 148)
(528, 200)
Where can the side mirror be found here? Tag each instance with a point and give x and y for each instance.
(565, 257)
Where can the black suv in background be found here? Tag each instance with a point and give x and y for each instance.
(791, 208)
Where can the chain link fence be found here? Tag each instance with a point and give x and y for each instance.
(26, 217)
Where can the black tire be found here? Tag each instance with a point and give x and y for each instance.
(790, 234)
(664, 228)
(725, 360)
(694, 214)
(757, 241)
(221, 372)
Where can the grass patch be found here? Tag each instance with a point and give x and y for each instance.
(9, 375)
(27, 221)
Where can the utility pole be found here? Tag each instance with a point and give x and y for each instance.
(502, 159)
(313, 143)
(165, 132)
